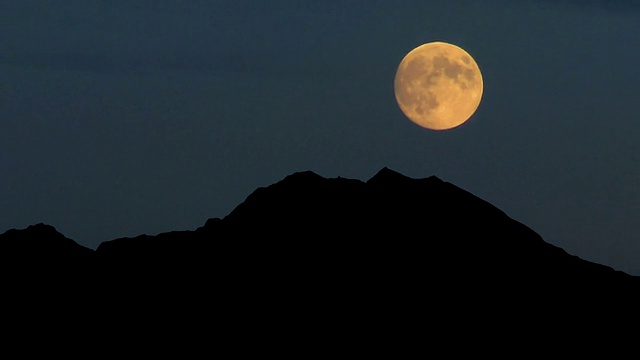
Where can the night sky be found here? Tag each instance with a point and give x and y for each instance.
(120, 118)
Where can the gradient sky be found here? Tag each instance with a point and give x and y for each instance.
(120, 118)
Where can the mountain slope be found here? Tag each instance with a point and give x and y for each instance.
(321, 263)
(311, 222)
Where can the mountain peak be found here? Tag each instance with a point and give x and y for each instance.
(43, 228)
(301, 177)
(39, 240)
(389, 176)
(39, 229)
(387, 173)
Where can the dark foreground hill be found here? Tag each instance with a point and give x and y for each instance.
(324, 257)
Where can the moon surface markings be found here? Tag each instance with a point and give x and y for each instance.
(438, 86)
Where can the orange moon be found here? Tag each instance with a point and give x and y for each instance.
(438, 86)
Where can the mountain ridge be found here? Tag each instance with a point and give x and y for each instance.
(320, 263)
(336, 218)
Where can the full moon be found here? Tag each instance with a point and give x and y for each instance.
(438, 86)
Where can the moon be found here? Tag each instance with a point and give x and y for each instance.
(438, 86)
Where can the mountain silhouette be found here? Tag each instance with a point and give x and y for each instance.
(315, 250)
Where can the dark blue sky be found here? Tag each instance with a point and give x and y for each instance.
(119, 118)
